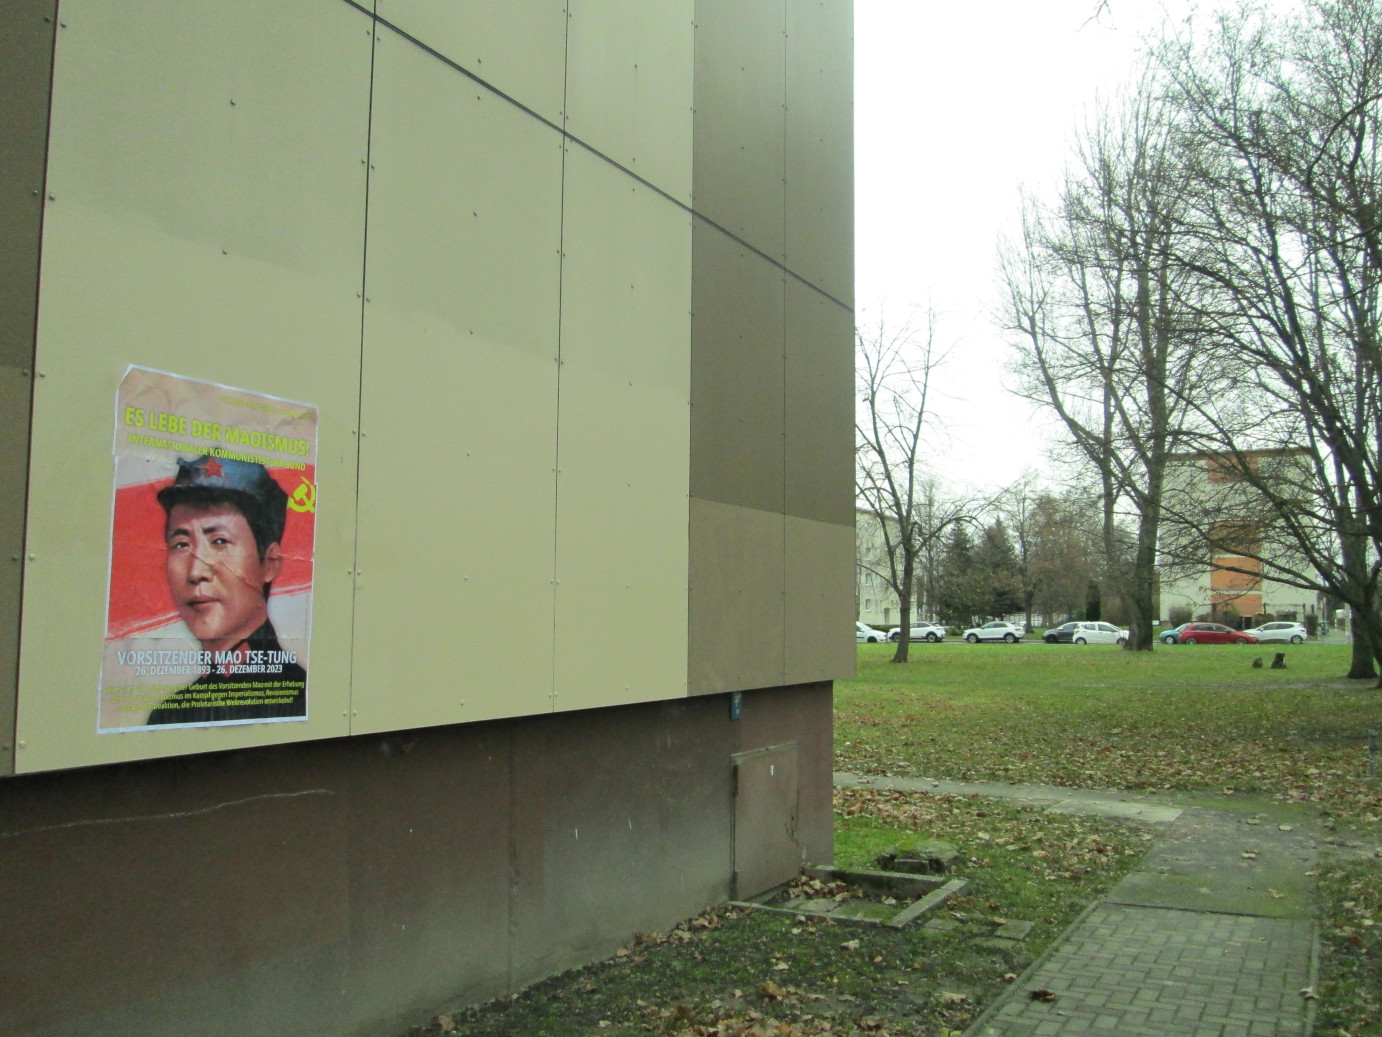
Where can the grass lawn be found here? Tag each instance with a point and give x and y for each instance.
(1184, 717)
(1193, 719)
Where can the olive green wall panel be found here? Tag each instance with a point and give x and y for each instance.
(26, 52)
(819, 145)
(737, 387)
(738, 169)
(624, 434)
(174, 239)
(738, 636)
(820, 606)
(820, 407)
(459, 409)
(518, 47)
(628, 86)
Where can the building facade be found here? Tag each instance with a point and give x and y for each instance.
(1219, 553)
(540, 309)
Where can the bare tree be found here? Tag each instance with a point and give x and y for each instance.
(1102, 337)
(1283, 231)
(893, 374)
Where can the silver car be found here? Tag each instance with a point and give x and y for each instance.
(1282, 632)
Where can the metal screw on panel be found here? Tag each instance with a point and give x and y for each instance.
(52, 198)
(32, 556)
(23, 745)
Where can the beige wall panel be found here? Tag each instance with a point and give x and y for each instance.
(738, 168)
(624, 440)
(518, 47)
(457, 481)
(820, 144)
(737, 390)
(820, 407)
(820, 601)
(629, 86)
(173, 239)
(737, 628)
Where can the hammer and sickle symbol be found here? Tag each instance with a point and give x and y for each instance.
(304, 498)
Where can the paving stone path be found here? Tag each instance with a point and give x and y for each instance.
(1210, 936)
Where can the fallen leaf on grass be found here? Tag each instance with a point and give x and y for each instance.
(1042, 994)
(771, 991)
(949, 998)
(1275, 895)
(445, 1024)
(780, 966)
(1249, 855)
(850, 945)
(1308, 993)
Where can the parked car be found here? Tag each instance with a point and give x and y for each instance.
(920, 632)
(1280, 631)
(1094, 633)
(1061, 635)
(995, 631)
(1169, 637)
(863, 633)
(1213, 634)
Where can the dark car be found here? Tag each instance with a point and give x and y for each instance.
(1061, 635)
(1213, 634)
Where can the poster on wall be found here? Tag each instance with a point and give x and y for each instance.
(209, 612)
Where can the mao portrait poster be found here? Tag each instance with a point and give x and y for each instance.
(209, 612)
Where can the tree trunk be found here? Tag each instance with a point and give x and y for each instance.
(1362, 666)
(904, 609)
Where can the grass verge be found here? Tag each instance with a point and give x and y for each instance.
(737, 974)
(1199, 720)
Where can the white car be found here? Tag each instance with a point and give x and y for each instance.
(920, 632)
(1098, 634)
(865, 634)
(995, 631)
(1283, 632)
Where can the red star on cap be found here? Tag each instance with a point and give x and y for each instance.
(213, 467)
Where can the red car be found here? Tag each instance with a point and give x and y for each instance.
(1213, 634)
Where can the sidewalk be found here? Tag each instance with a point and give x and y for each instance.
(1211, 936)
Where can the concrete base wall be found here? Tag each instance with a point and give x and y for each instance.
(352, 886)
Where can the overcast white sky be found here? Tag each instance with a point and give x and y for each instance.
(955, 106)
